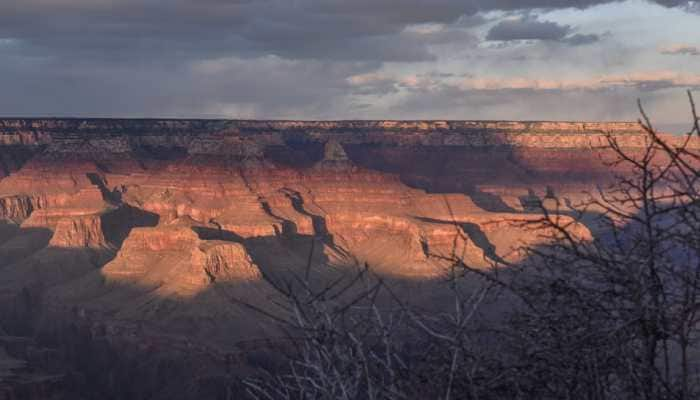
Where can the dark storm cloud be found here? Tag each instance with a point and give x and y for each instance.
(135, 57)
(224, 87)
(527, 29)
(189, 28)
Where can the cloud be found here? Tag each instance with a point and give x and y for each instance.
(674, 3)
(608, 97)
(530, 28)
(304, 29)
(580, 39)
(263, 58)
(262, 87)
(643, 81)
(452, 103)
(301, 29)
(680, 49)
(527, 28)
(373, 83)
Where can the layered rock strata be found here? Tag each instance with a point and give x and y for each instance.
(162, 228)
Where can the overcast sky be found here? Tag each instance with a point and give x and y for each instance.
(348, 59)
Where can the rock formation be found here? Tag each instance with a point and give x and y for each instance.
(145, 232)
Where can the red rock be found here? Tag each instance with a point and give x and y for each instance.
(164, 222)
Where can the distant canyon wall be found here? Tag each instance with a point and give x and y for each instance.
(233, 133)
(139, 233)
(481, 152)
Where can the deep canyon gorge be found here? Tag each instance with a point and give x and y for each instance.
(123, 242)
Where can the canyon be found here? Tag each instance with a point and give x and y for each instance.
(127, 247)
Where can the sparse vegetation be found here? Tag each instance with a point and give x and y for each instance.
(615, 316)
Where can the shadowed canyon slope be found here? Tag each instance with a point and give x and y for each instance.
(139, 234)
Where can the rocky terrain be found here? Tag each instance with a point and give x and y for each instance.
(125, 243)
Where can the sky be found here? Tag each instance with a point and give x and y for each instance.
(350, 59)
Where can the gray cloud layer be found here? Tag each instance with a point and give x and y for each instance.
(275, 58)
(293, 29)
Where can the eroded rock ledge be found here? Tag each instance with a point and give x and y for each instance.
(144, 231)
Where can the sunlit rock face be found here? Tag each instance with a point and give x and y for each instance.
(400, 196)
(162, 226)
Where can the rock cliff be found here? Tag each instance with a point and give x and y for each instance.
(154, 227)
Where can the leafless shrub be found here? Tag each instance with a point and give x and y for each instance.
(616, 316)
(609, 317)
